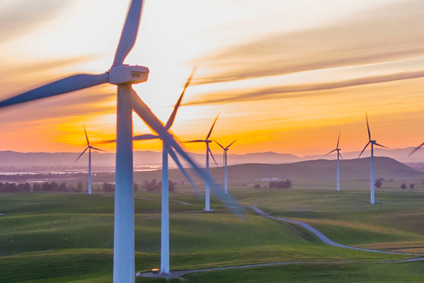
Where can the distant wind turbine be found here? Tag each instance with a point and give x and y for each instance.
(372, 142)
(225, 162)
(89, 148)
(208, 151)
(124, 76)
(338, 161)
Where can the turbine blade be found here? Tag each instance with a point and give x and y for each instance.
(86, 136)
(219, 144)
(381, 145)
(180, 166)
(214, 160)
(129, 32)
(154, 123)
(174, 112)
(80, 155)
(62, 86)
(364, 149)
(145, 137)
(194, 141)
(417, 148)
(331, 152)
(338, 140)
(368, 127)
(98, 149)
(213, 125)
(146, 114)
(229, 201)
(231, 144)
(340, 155)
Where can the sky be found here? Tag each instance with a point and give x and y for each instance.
(285, 76)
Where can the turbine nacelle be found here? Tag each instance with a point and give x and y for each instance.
(373, 141)
(126, 74)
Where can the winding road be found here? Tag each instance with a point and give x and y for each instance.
(320, 235)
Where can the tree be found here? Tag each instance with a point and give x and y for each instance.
(257, 186)
(411, 186)
(378, 184)
(287, 184)
(403, 186)
(79, 187)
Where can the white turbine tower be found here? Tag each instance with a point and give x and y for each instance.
(225, 163)
(339, 155)
(89, 148)
(207, 141)
(124, 76)
(372, 142)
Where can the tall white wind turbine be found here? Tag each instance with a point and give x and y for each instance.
(124, 76)
(372, 142)
(207, 141)
(89, 148)
(164, 258)
(339, 155)
(225, 163)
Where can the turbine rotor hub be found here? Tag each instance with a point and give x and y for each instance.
(126, 74)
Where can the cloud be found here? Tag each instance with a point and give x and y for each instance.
(18, 17)
(391, 32)
(302, 90)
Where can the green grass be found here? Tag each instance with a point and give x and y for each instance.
(48, 237)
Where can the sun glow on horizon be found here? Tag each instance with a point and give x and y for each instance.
(282, 74)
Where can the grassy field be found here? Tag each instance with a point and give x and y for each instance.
(62, 237)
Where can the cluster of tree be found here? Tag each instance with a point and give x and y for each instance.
(379, 182)
(153, 185)
(404, 186)
(287, 184)
(39, 187)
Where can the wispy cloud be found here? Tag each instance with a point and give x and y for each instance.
(302, 90)
(21, 16)
(393, 31)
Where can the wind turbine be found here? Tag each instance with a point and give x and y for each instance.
(207, 141)
(164, 259)
(372, 142)
(338, 161)
(124, 76)
(417, 148)
(89, 148)
(225, 163)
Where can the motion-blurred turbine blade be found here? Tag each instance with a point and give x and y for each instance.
(81, 155)
(340, 155)
(338, 140)
(98, 149)
(214, 160)
(182, 169)
(331, 151)
(146, 114)
(129, 32)
(368, 127)
(174, 112)
(145, 137)
(229, 201)
(86, 136)
(228, 146)
(364, 149)
(65, 85)
(417, 148)
(154, 123)
(381, 145)
(219, 144)
(213, 125)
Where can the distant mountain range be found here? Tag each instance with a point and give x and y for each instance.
(10, 160)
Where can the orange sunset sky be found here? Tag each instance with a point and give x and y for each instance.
(286, 76)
